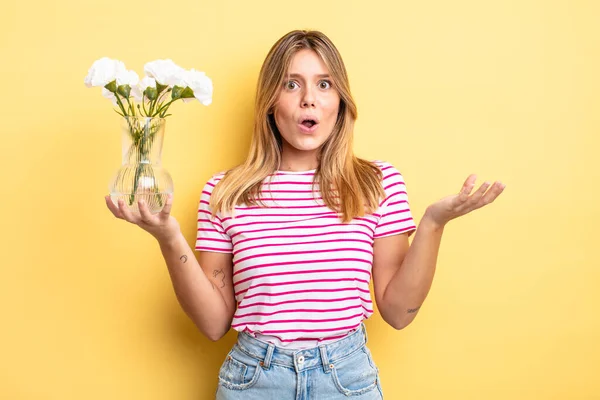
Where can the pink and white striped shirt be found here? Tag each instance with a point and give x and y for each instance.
(300, 276)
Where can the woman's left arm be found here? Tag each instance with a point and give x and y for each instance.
(402, 274)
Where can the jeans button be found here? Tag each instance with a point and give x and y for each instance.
(300, 359)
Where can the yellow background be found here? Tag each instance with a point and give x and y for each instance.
(505, 89)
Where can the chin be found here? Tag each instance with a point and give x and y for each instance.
(307, 146)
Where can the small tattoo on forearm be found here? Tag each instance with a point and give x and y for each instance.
(218, 273)
(413, 310)
(184, 258)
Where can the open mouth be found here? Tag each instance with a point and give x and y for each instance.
(309, 123)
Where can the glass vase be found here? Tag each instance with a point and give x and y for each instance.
(141, 175)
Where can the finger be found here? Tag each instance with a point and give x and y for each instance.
(475, 197)
(145, 214)
(492, 194)
(113, 209)
(127, 214)
(471, 202)
(166, 211)
(466, 189)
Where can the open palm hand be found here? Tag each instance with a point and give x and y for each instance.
(454, 206)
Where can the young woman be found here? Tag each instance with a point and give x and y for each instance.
(288, 241)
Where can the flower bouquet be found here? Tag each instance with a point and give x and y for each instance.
(143, 106)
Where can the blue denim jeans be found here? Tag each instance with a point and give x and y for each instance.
(257, 370)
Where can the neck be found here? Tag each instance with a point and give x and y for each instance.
(297, 167)
(297, 161)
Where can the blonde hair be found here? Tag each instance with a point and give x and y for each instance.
(349, 185)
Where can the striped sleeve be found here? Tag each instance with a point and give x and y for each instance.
(211, 235)
(396, 216)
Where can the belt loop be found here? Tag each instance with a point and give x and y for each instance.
(266, 363)
(324, 359)
(364, 329)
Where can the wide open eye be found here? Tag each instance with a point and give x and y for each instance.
(327, 86)
(288, 85)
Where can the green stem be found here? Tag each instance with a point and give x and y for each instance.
(161, 101)
(120, 104)
(124, 113)
(165, 107)
(143, 144)
(135, 184)
(143, 104)
(131, 107)
(138, 147)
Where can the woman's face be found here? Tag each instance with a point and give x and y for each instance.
(306, 94)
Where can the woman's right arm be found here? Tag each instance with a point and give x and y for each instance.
(204, 289)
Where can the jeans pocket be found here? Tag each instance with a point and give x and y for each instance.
(239, 371)
(355, 374)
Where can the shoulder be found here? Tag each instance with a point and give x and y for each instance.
(210, 184)
(387, 169)
(215, 178)
(231, 173)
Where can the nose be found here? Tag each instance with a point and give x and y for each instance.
(308, 98)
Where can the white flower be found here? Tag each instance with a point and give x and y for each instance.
(125, 77)
(138, 90)
(200, 84)
(119, 83)
(165, 72)
(104, 71)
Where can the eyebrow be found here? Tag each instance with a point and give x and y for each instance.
(300, 76)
